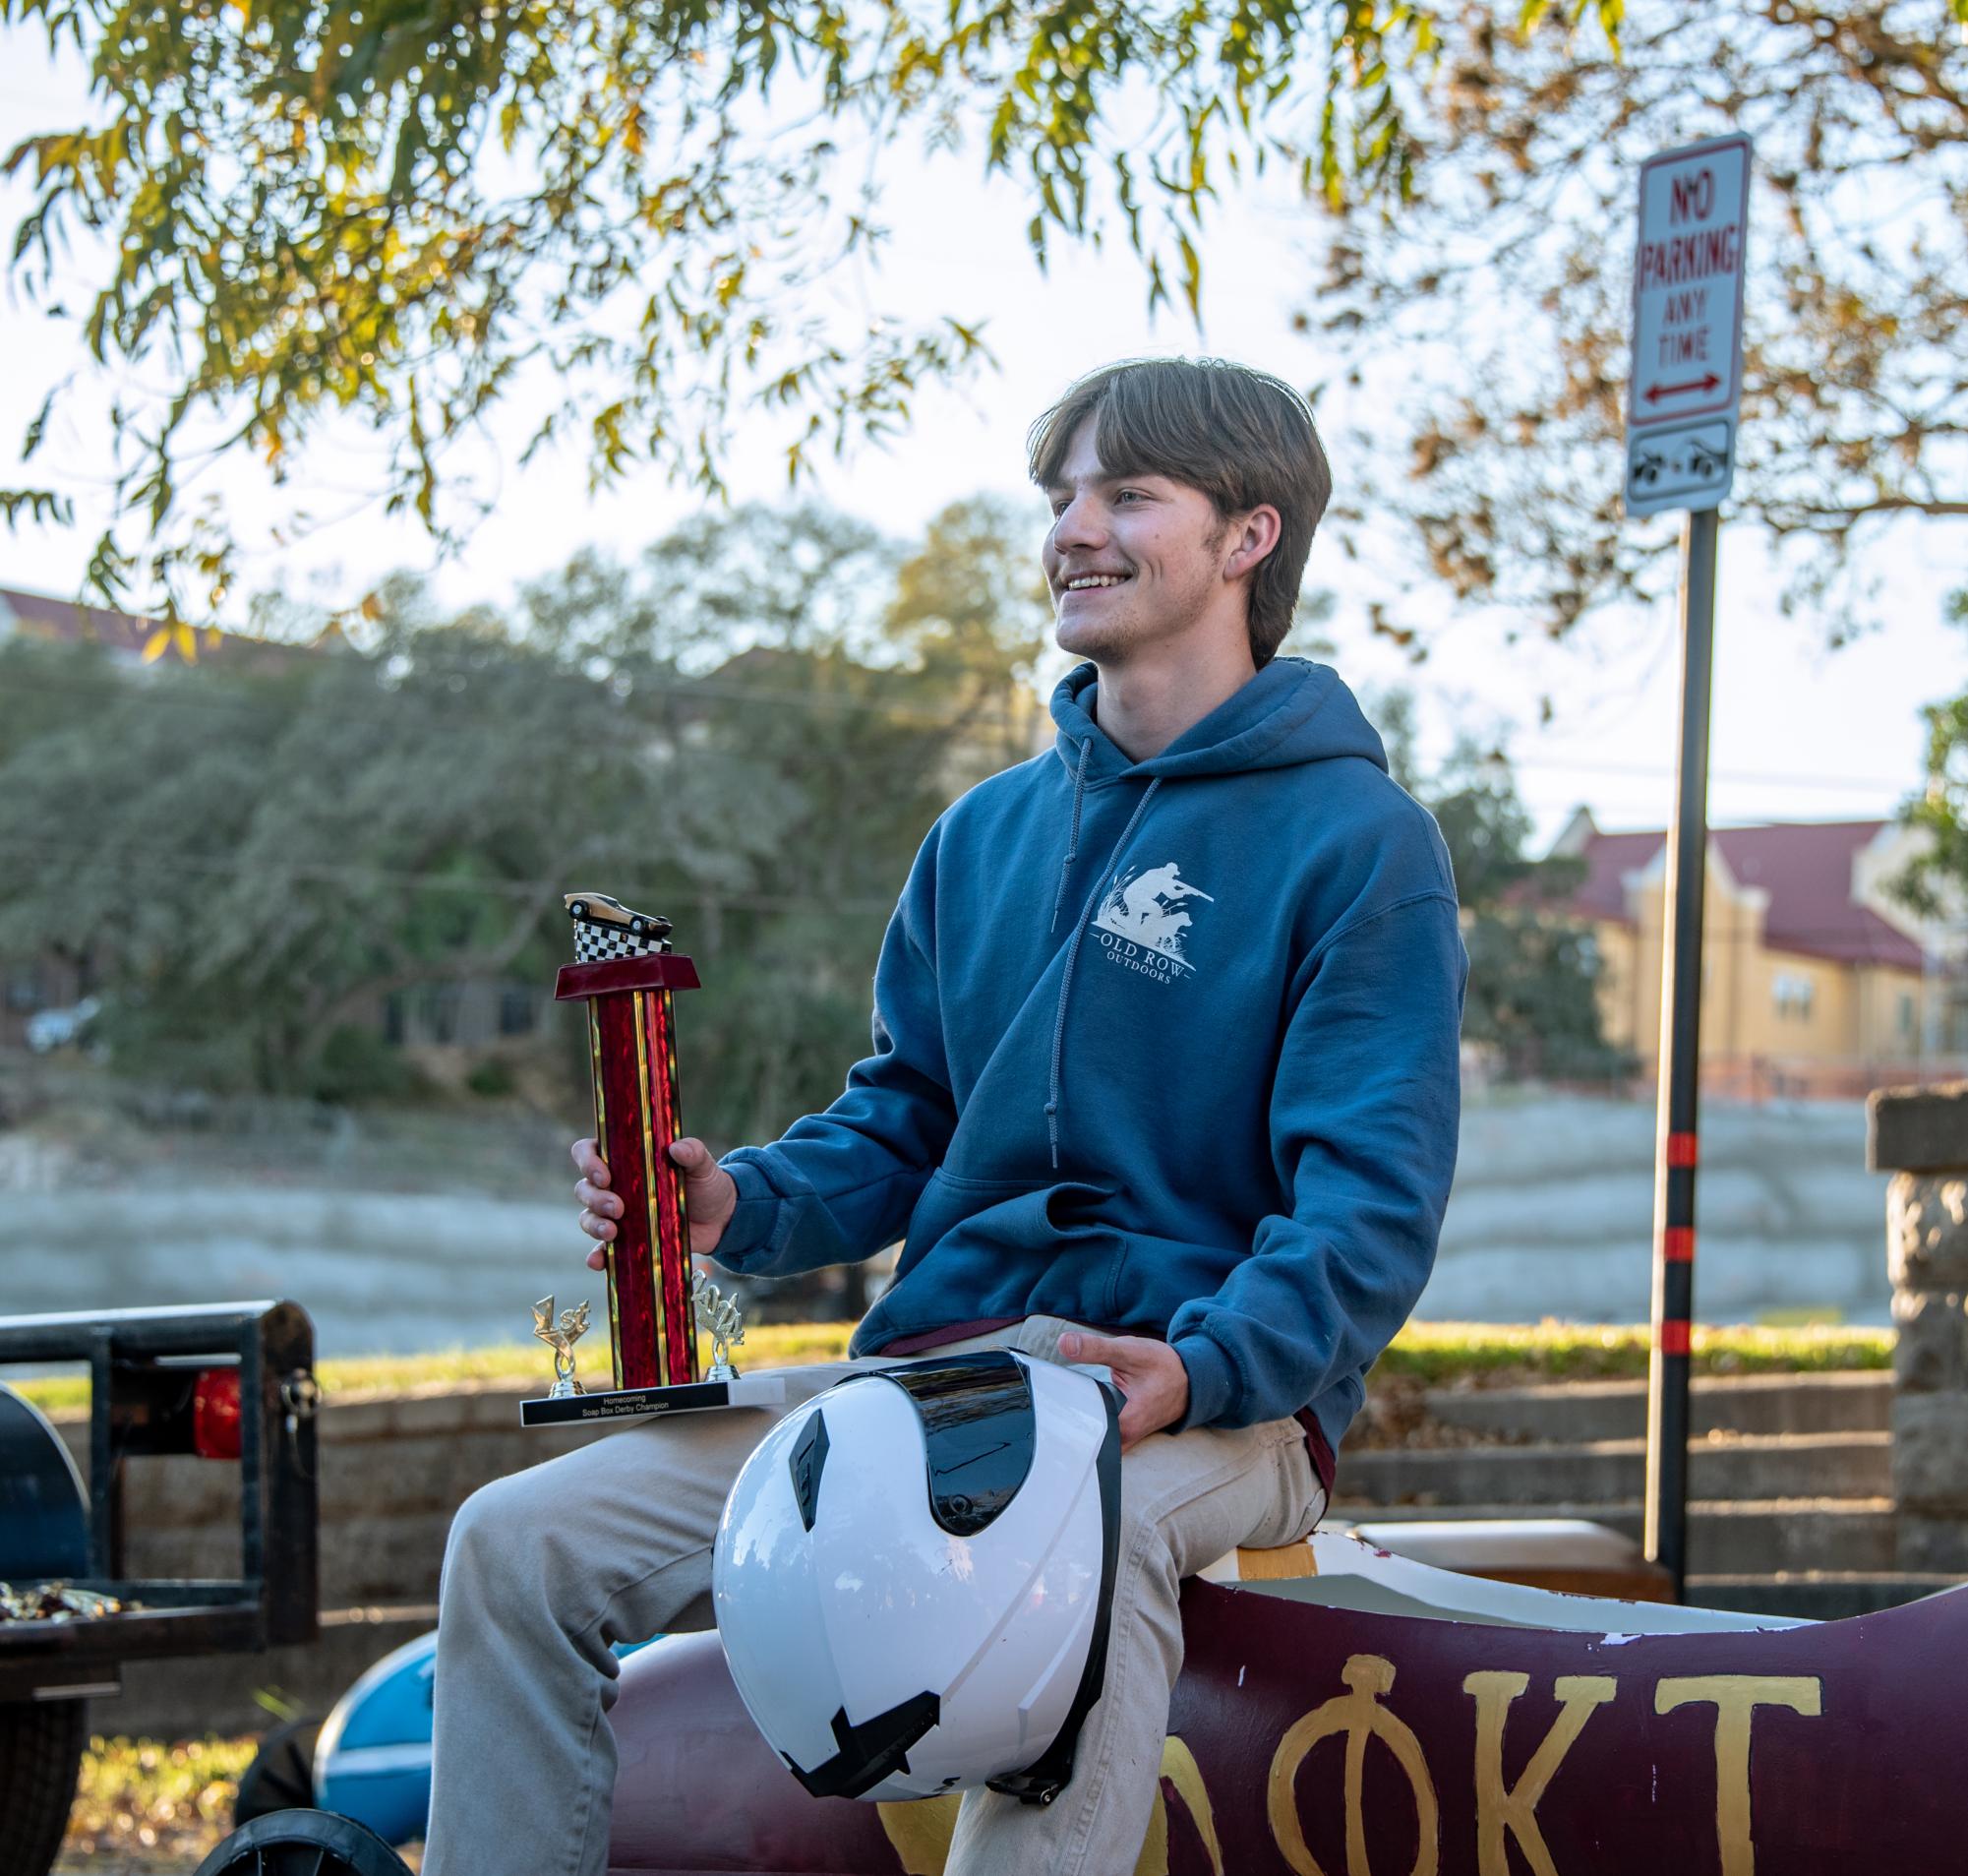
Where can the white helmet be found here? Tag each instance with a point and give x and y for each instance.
(914, 1572)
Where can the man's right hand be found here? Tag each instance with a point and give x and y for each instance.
(710, 1197)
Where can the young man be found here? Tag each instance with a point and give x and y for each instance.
(1164, 1078)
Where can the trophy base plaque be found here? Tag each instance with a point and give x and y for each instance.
(630, 1403)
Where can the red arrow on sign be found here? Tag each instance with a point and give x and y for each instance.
(1655, 393)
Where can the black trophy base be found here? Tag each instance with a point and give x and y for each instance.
(634, 1403)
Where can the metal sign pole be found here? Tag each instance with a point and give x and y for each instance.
(1683, 400)
(1675, 1146)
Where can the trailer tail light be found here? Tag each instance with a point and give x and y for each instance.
(215, 1414)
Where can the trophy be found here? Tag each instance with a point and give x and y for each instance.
(561, 1338)
(627, 973)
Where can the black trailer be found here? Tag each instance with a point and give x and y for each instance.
(233, 1382)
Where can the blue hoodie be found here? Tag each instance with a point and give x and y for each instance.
(1168, 1048)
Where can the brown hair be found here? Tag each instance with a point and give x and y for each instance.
(1240, 435)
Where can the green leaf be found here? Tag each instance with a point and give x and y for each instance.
(35, 505)
(37, 426)
(1192, 274)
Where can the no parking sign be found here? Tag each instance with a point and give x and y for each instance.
(1686, 381)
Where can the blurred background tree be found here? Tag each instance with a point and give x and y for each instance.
(1533, 1006)
(875, 684)
(1532, 1002)
(256, 858)
(1935, 882)
(1498, 300)
(262, 860)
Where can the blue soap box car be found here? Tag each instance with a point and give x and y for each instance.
(372, 1755)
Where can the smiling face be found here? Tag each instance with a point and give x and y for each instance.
(1133, 561)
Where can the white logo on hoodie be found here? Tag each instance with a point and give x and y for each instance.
(1143, 909)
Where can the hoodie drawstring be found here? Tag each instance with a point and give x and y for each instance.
(1073, 836)
(1073, 950)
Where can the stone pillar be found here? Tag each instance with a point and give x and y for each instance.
(1921, 1138)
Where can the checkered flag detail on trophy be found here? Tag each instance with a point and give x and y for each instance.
(604, 927)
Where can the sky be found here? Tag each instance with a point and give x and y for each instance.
(1800, 732)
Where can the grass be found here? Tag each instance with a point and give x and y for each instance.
(772, 1345)
(1435, 1353)
(140, 1804)
(768, 1344)
(1490, 1354)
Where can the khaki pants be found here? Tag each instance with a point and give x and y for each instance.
(612, 1542)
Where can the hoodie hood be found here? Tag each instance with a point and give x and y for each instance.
(1291, 712)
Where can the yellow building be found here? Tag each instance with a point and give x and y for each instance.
(1815, 980)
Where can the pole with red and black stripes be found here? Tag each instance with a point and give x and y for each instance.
(1676, 1146)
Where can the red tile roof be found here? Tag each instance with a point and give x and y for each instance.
(1608, 859)
(1805, 867)
(67, 620)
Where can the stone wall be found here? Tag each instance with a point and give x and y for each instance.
(1922, 1138)
(1551, 1215)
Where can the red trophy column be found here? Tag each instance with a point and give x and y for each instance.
(632, 1038)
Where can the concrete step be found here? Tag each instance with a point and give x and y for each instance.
(1726, 1538)
(1613, 1472)
(1856, 1402)
(1820, 1595)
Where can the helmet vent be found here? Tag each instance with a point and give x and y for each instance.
(870, 1751)
(808, 1459)
(979, 1433)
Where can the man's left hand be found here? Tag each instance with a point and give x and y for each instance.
(1150, 1374)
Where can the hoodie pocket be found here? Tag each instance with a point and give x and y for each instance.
(980, 1248)
(948, 1199)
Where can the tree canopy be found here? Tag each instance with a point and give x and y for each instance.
(1499, 296)
(1532, 1001)
(252, 855)
(1532, 1007)
(395, 210)
(1935, 882)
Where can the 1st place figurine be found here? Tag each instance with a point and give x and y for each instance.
(561, 1337)
(719, 1318)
